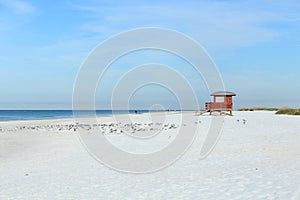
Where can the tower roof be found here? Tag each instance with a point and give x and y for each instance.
(223, 93)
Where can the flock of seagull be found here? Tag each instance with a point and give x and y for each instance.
(104, 128)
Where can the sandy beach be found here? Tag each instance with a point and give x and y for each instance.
(257, 157)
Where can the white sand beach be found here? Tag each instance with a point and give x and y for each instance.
(257, 157)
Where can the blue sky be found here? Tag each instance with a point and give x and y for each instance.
(255, 46)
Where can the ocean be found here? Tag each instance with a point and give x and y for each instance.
(17, 115)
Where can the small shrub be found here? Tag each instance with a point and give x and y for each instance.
(288, 111)
(257, 108)
(243, 109)
(297, 113)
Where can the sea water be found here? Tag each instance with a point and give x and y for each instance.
(17, 115)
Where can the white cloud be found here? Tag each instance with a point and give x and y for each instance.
(18, 6)
(218, 25)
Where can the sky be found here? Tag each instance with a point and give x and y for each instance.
(255, 47)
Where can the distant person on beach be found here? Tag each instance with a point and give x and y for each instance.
(135, 111)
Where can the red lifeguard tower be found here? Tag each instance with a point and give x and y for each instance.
(222, 101)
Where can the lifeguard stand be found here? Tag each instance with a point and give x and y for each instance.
(222, 102)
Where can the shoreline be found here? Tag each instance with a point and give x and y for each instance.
(118, 112)
(97, 117)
